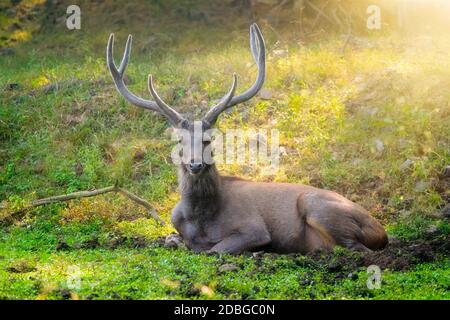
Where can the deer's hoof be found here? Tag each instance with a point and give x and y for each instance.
(174, 241)
(211, 253)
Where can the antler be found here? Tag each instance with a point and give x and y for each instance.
(259, 55)
(117, 75)
(258, 50)
(174, 117)
(211, 116)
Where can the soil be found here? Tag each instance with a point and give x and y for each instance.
(397, 256)
(21, 267)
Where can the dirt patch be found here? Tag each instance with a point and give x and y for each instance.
(91, 243)
(401, 256)
(62, 246)
(113, 242)
(130, 242)
(21, 267)
(397, 256)
(189, 289)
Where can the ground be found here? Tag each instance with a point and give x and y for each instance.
(370, 122)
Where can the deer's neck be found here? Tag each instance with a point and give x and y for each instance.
(201, 192)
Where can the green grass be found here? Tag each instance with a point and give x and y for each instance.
(155, 272)
(331, 110)
(30, 267)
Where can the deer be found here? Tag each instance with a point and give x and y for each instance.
(223, 214)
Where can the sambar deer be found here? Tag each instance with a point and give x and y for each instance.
(232, 215)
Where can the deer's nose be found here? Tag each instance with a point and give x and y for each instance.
(195, 167)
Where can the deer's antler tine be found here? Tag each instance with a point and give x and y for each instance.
(126, 55)
(211, 116)
(109, 55)
(258, 50)
(117, 75)
(174, 117)
(253, 43)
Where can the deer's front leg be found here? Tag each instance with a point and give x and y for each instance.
(243, 240)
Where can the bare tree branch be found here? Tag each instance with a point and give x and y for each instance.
(143, 203)
(86, 194)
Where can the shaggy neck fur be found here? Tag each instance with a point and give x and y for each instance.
(201, 192)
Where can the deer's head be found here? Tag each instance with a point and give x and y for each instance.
(196, 140)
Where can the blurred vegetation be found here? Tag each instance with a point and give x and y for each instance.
(366, 116)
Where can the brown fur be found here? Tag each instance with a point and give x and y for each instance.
(229, 214)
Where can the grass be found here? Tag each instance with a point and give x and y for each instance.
(30, 267)
(347, 123)
(33, 269)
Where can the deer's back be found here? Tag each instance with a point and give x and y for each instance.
(286, 208)
(244, 202)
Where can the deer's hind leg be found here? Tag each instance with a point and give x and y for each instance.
(314, 235)
(333, 220)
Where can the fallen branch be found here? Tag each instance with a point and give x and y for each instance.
(86, 194)
(143, 203)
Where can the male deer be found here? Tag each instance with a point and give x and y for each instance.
(232, 215)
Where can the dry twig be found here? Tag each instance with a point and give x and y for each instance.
(86, 194)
